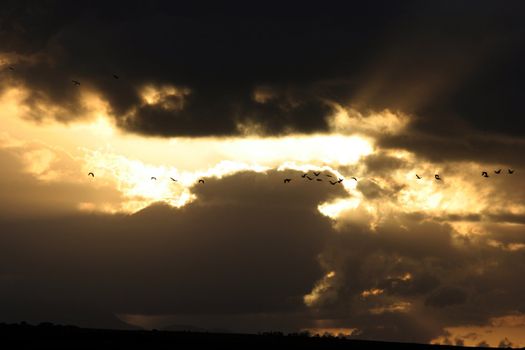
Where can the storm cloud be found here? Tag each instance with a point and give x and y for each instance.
(451, 65)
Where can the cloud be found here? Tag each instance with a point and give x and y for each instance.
(213, 256)
(268, 74)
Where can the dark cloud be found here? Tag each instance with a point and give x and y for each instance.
(449, 61)
(446, 296)
(243, 256)
(246, 246)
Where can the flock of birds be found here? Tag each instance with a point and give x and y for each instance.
(436, 176)
(305, 175)
(201, 181)
(316, 176)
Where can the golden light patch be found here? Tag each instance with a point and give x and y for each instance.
(331, 331)
(401, 306)
(508, 328)
(320, 290)
(372, 292)
(128, 163)
(168, 97)
(350, 120)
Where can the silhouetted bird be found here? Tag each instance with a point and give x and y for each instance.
(497, 171)
(484, 174)
(153, 178)
(511, 171)
(319, 179)
(11, 68)
(172, 179)
(115, 76)
(77, 83)
(304, 175)
(333, 182)
(201, 181)
(328, 175)
(91, 174)
(419, 177)
(354, 178)
(437, 177)
(287, 180)
(317, 174)
(340, 180)
(309, 178)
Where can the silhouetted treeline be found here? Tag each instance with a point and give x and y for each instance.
(48, 335)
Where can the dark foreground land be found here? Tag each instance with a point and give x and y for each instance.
(71, 337)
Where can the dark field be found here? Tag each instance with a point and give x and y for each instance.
(71, 337)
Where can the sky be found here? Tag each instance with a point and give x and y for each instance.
(244, 97)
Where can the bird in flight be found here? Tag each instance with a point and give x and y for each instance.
(153, 178)
(353, 177)
(287, 180)
(115, 76)
(76, 82)
(511, 171)
(497, 171)
(484, 174)
(11, 68)
(201, 181)
(437, 177)
(304, 175)
(319, 179)
(91, 174)
(172, 179)
(340, 180)
(328, 175)
(317, 174)
(419, 177)
(334, 182)
(309, 178)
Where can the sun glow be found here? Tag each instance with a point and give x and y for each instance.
(147, 170)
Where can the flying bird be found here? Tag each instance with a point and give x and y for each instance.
(497, 171)
(319, 179)
(511, 171)
(287, 180)
(328, 175)
(76, 82)
(353, 177)
(304, 175)
(91, 174)
(317, 174)
(153, 178)
(419, 177)
(115, 76)
(333, 182)
(201, 181)
(340, 180)
(308, 177)
(437, 177)
(484, 174)
(11, 68)
(172, 179)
